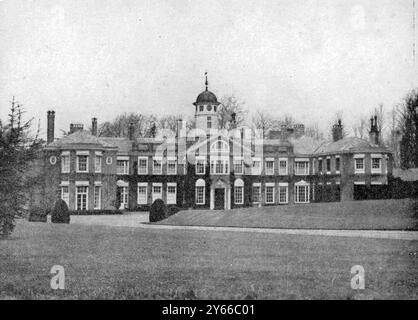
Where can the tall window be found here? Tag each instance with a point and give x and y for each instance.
(98, 163)
(376, 165)
(328, 165)
(157, 191)
(283, 193)
(122, 166)
(171, 167)
(97, 196)
(157, 166)
(65, 194)
(238, 166)
(81, 197)
(200, 166)
(256, 168)
(256, 192)
(171, 193)
(282, 167)
(200, 191)
(302, 193)
(269, 193)
(359, 165)
(219, 166)
(337, 164)
(65, 163)
(82, 163)
(269, 167)
(142, 193)
(142, 165)
(320, 169)
(239, 191)
(301, 167)
(209, 122)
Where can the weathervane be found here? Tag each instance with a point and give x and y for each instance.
(206, 82)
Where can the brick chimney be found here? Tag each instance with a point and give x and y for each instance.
(76, 127)
(298, 130)
(50, 126)
(94, 126)
(337, 131)
(374, 131)
(131, 131)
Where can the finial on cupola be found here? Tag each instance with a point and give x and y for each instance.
(206, 82)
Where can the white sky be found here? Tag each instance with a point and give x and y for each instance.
(86, 58)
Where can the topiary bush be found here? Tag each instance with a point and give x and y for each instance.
(60, 213)
(158, 211)
(37, 214)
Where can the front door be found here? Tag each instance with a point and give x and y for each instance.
(122, 194)
(219, 199)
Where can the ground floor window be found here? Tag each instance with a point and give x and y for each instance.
(171, 193)
(157, 191)
(256, 193)
(269, 194)
(238, 195)
(97, 196)
(302, 193)
(81, 197)
(65, 194)
(283, 193)
(200, 195)
(123, 194)
(142, 193)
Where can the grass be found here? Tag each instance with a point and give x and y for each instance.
(358, 215)
(136, 263)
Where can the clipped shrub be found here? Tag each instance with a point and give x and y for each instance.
(158, 211)
(60, 213)
(37, 214)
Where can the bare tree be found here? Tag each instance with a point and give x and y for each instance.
(263, 121)
(360, 128)
(315, 132)
(119, 126)
(231, 105)
(409, 129)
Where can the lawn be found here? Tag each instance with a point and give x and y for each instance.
(358, 215)
(138, 263)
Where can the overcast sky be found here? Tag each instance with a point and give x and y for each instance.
(86, 58)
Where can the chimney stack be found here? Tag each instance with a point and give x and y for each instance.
(337, 131)
(50, 126)
(94, 126)
(374, 131)
(131, 131)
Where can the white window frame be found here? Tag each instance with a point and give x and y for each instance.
(256, 185)
(339, 159)
(328, 159)
(125, 166)
(98, 163)
(172, 199)
(78, 163)
(155, 195)
(198, 161)
(86, 193)
(143, 172)
(65, 166)
(171, 161)
(65, 195)
(306, 186)
(96, 200)
(154, 160)
(286, 171)
(200, 184)
(306, 170)
(284, 185)
(239, 185)
(257, 171)
(240, 162)
(376, 170)
(359, 157)
(270, 185)
(138, 197)
(269, 171)
(223, 163)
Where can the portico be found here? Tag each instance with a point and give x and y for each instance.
(220, 195)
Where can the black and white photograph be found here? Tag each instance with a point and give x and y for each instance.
(208, 150)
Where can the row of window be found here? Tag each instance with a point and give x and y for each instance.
(82, 196)
(221, 165)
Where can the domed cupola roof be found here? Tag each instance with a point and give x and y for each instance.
(206, 96)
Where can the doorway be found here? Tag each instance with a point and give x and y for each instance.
(219, 199)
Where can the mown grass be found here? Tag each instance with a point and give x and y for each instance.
(353, 215)
(135, 263)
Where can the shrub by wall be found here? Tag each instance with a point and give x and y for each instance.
(60, 213)
(158, 211)
(37, 214)
(95, 212)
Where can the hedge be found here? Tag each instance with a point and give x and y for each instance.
(95, 212)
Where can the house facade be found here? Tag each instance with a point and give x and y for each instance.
(207, 167)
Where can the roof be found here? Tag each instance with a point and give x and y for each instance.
(80, 138)
(349, 145)
(206, 97)
(305, 145)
